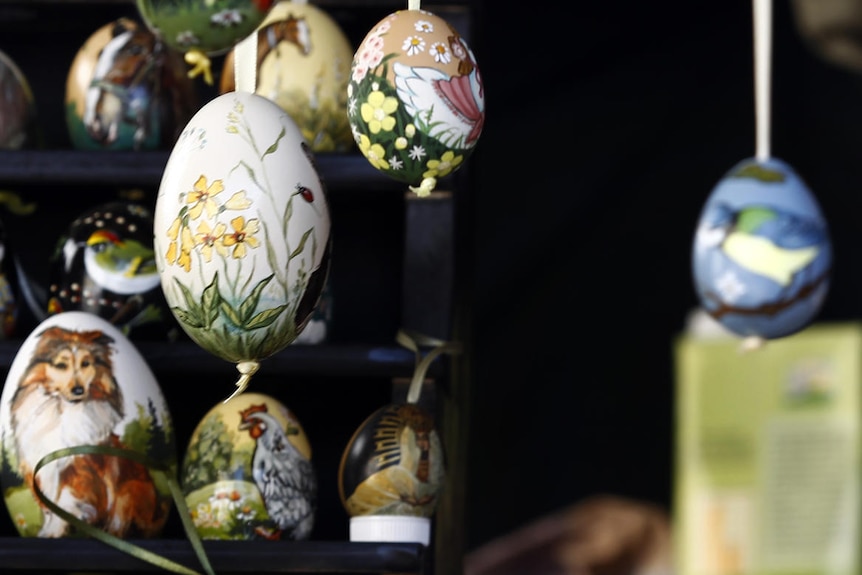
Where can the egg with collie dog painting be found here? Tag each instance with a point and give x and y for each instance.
(75, 382)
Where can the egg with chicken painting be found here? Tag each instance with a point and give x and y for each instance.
(762, 253)
(416, 101)
(77, 382)
(391, 475)
(247, 473)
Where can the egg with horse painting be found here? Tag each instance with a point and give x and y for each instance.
(416, 102)
(18, 118)
(248, 474)
(303, 65)
(210, 27)
(762, 253)
(242, 228)
(78, 384)
(126, 91)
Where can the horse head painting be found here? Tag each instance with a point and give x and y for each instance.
(128, 89)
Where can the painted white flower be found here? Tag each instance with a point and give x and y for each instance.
(729, 286)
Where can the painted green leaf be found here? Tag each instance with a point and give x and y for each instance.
(185, 317)
(230, 313)
(301, 245)
(288, 212)
(265, 317)
(210, 299)
(274, 146)
(248, 306)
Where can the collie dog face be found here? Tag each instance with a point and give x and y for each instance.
(67, 397)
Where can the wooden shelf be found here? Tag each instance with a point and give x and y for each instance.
(145, 168)
(21, 553)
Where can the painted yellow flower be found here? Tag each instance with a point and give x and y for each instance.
(187, 243)
(377, 110)
(439, 168)
(202, 197)
(173, 233)
(208, 238)
(375, 153)
(242, 236)
(238, 201)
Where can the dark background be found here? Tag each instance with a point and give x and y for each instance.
(607, 125)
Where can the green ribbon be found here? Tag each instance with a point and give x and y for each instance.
(414, 341)
(166, 473)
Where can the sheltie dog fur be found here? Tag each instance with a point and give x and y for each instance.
(68, 396)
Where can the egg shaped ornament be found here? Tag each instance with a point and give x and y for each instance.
(247, 473)
(242, 229)
(77, 381)
(416, 102)
(126, 90)
(303, 65)
(203, 28)
(9, 298)
(19, 127)
(391, 475)
(762, 253)
(105, 264)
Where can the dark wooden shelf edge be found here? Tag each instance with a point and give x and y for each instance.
(41, 555)
(297, 359)
(145, 168)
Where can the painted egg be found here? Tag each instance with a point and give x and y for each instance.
(126, 91)
(762, 254)
(77, 381)
(9, 307)
(247, 473)
(303, 64)
(105, 264)
(393, 466)
(205, 25)
(415, 99)
(18, 118)
(242, 228)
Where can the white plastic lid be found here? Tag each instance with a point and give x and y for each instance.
(391, 528)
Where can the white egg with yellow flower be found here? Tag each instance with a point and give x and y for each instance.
(242, 228)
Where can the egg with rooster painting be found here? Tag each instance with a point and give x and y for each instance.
(762, 253)
(416, 101)
(247, 472)
(86, 429)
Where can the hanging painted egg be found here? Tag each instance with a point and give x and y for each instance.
(18, 119)
(9, 306)
(762, 254)
(247, 472)
(77, 381)
(242, 229)
(391, 475)
(303, 65)
(415, 99)
(205, 25)
(105, 264)
(126, 91)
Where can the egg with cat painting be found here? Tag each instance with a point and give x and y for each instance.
(762, 252)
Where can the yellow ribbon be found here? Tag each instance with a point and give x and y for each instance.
(161, 472)
(246, 369)
(15, 205)
(424, 189)
(414, 341)
(200, 64)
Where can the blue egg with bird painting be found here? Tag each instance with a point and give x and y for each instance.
(762, 253)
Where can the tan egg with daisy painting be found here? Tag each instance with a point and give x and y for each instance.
(416, 101)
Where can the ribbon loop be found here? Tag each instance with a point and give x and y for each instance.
(412, 341)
